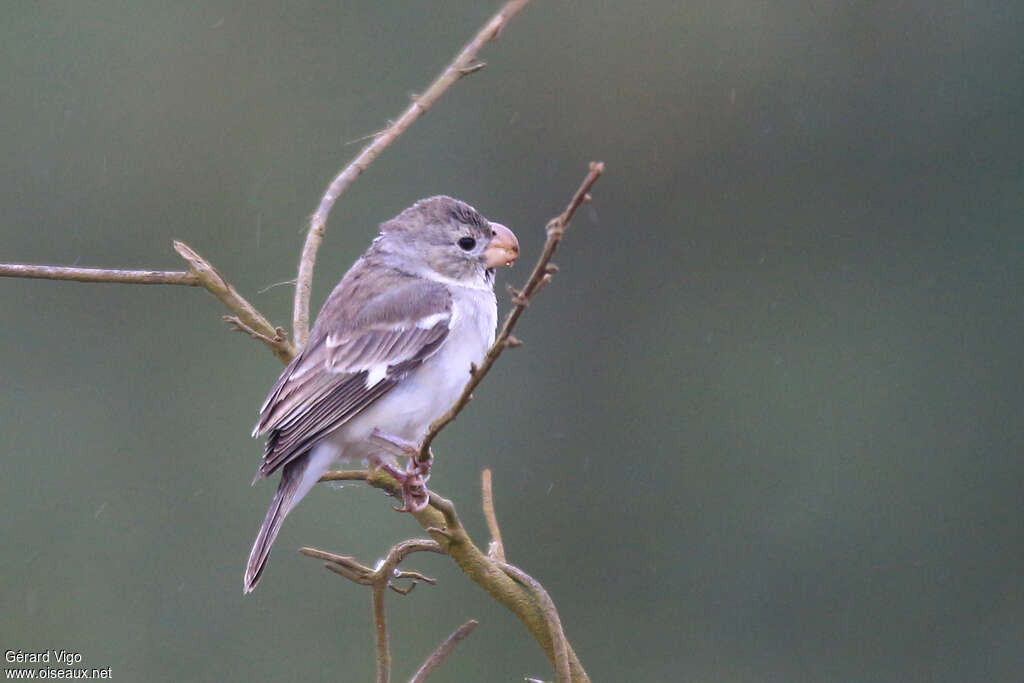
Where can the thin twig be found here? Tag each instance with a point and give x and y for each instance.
(239, 326)
(246, 313)
(129, 277)
(443, 650)
(496, 549)
(200, 274)
(551, 616)
(541, 275)
(380, 621)
(464, 63)
(400, 551)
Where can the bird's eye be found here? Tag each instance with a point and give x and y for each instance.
(466, 243)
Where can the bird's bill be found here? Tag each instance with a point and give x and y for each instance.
(503, 249)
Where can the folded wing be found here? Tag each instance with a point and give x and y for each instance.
(357, 352)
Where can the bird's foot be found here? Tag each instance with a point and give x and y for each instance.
(413, 478)
(415, 495)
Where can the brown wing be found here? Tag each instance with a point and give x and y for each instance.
(360, 348)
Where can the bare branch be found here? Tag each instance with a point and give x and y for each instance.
(464, 63)
(443, 650)
(496, 549)
(561, 645)
(200, 274)
(541, 275)
(129, 277)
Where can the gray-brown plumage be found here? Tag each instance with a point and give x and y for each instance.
(390, 350)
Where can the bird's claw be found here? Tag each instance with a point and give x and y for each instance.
(413, 478)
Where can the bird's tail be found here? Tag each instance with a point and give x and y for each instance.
(279, 507)
(297, 479)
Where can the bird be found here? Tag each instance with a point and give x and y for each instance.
(389, 353)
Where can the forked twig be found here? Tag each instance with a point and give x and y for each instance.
(379, 579)
(514, 588)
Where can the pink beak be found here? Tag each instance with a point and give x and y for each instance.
(503, 249)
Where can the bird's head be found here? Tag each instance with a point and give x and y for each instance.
(445, 239)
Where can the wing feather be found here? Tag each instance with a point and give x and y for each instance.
(326, 384)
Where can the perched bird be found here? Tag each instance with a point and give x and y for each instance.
(390, 351)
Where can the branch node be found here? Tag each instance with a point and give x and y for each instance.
(415, 576)
(250, 320)
(496, 548)
(555, 228)
(402, 591)
(441, 532)
(471, 68)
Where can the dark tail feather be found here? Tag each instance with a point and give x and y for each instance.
(279, 507)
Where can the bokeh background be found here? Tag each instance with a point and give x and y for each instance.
(767, 423)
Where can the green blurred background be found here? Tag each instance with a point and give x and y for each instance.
(767, 424)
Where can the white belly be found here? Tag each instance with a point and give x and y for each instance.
(426, 393)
